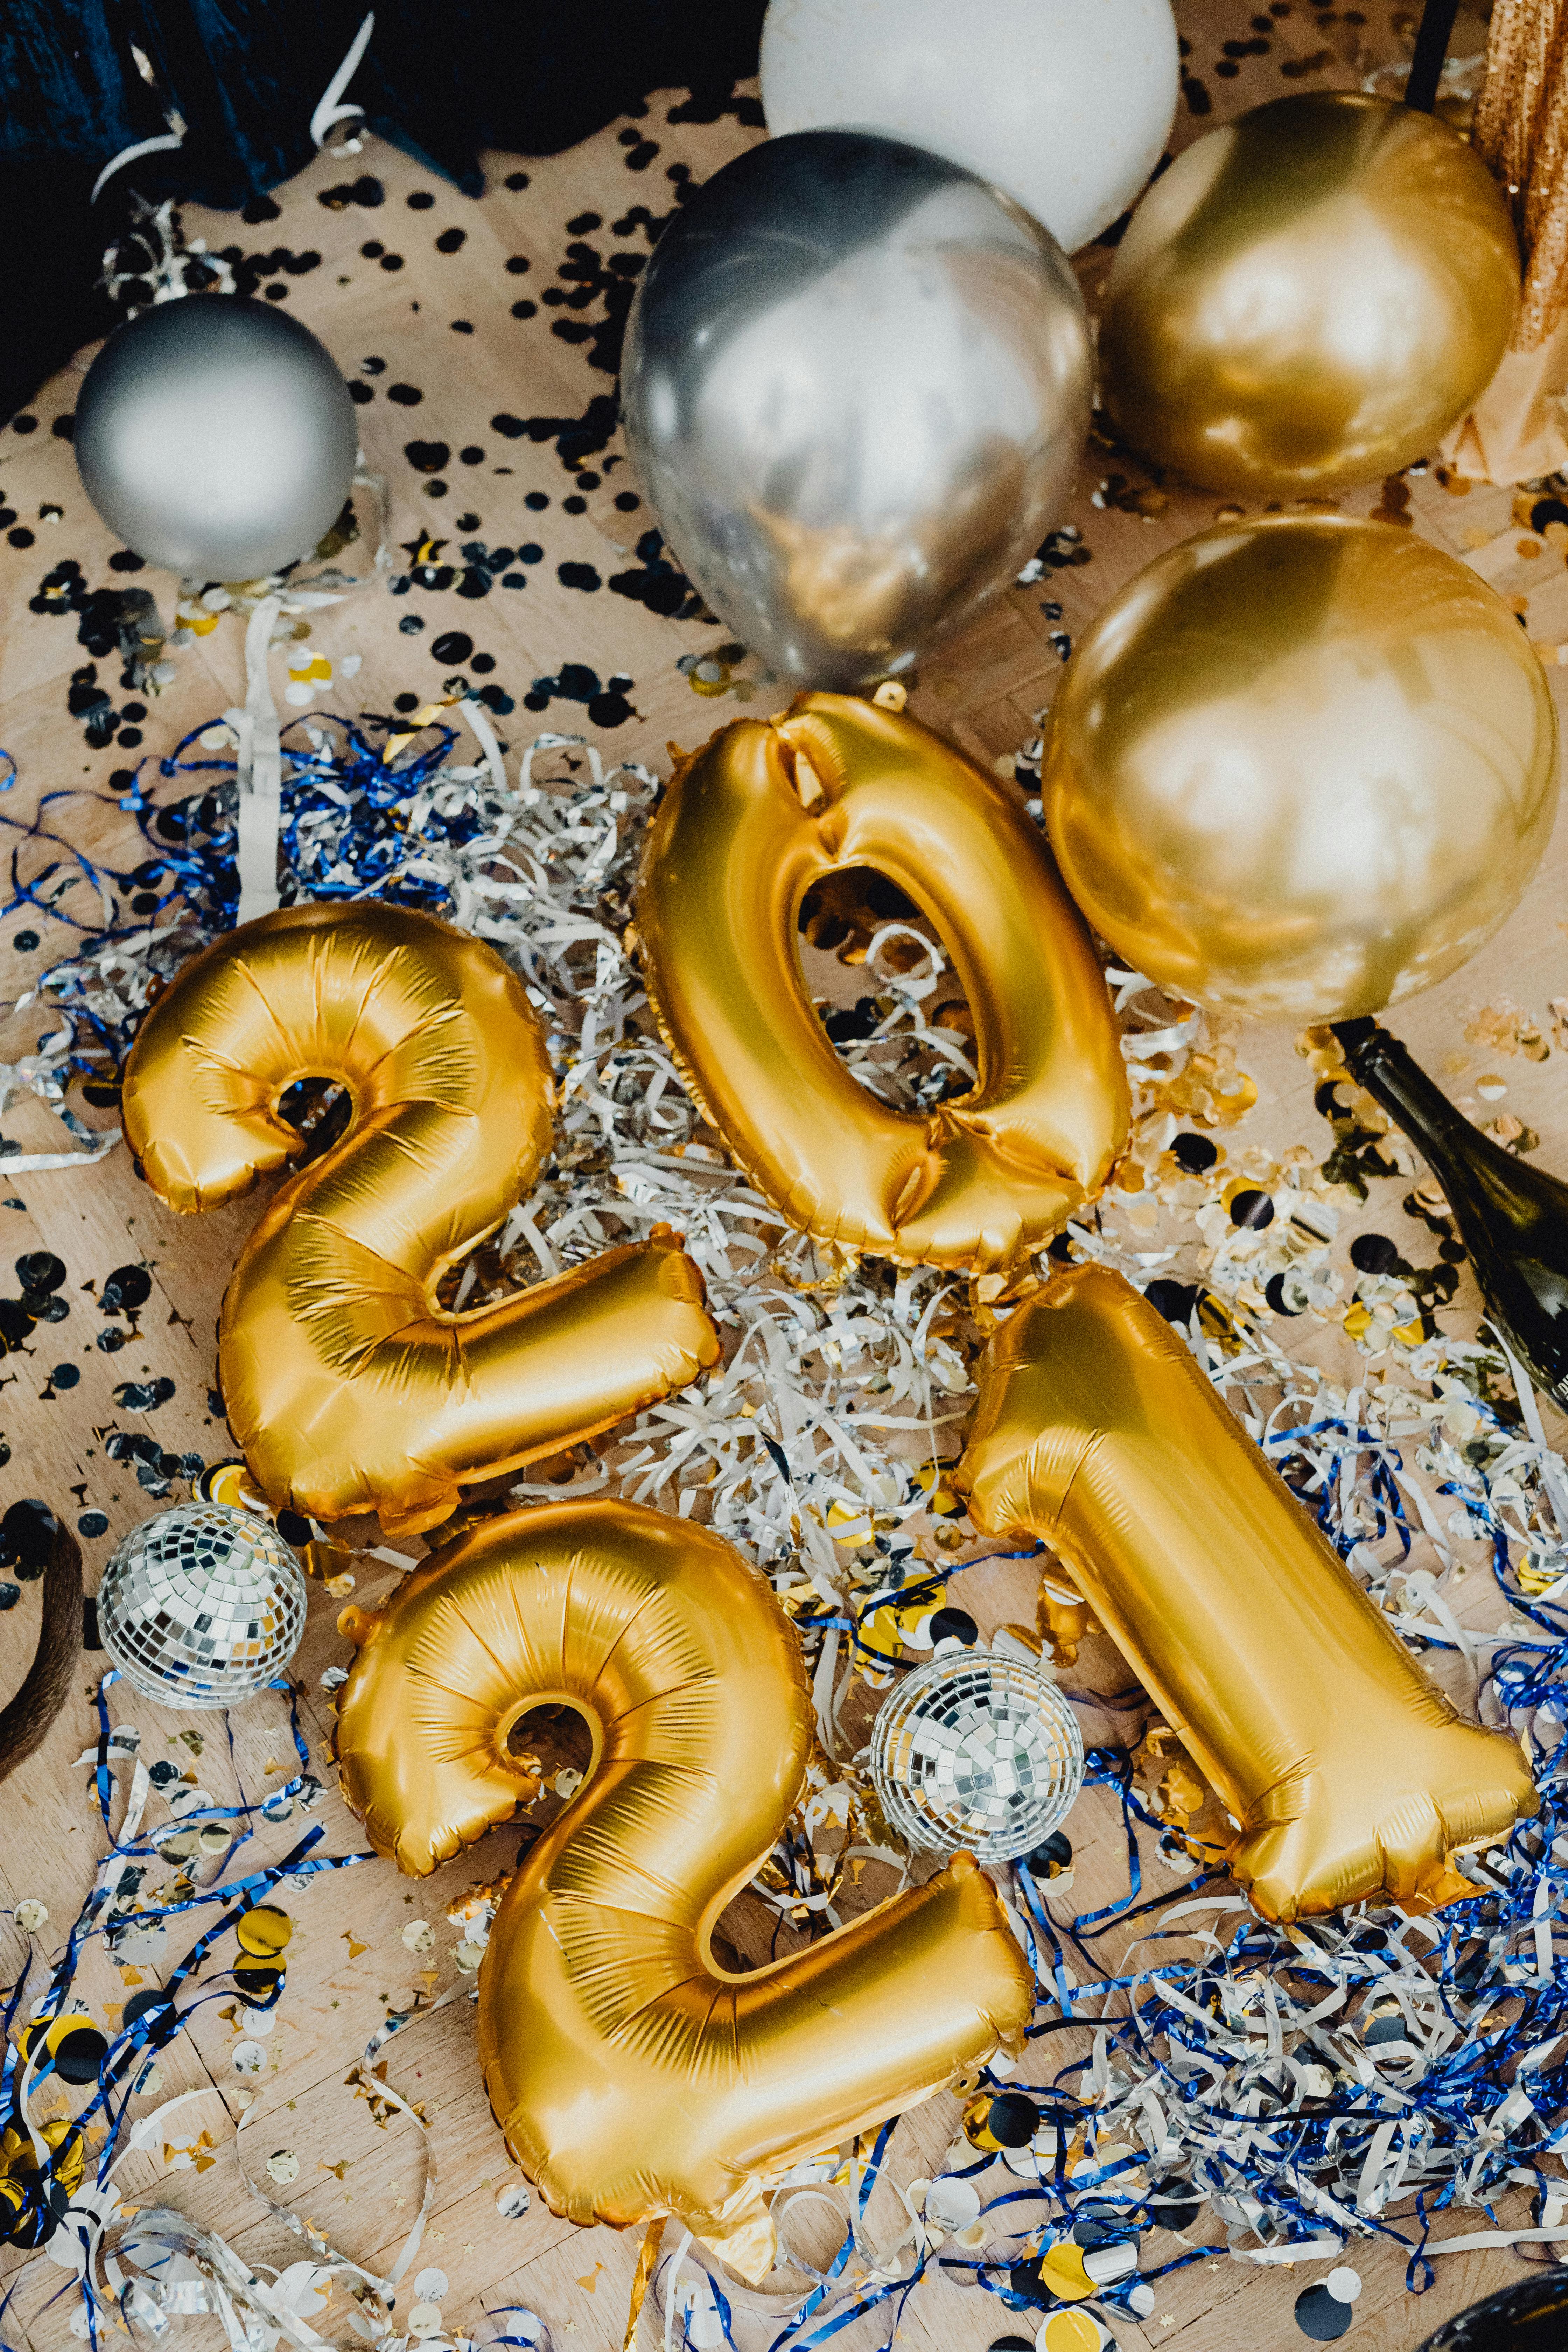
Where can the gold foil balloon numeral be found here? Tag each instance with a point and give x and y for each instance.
(747, 827)
(1347, 1773)
(347, 1387)
(631, 2077)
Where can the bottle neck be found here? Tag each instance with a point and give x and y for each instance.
(1391, 1075)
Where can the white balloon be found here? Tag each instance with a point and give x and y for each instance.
(1065, 104)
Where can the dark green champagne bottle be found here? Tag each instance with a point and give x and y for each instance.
(1513, 1218)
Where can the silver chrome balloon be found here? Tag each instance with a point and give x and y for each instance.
(855, 385)
(217, 436)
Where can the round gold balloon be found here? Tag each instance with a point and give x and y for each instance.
(748, 824)
(1349, 1775)
(632, 2075)
(1309, 297)
(1301, 766)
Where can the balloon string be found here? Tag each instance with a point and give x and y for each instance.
(647, 2258)
(260, 771)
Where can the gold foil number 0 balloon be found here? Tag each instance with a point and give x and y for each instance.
(1347, 1773)
(747, 827)
(631, 2077)
(347, 1387)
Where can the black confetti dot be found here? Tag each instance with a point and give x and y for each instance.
(451, 240)
(368, 192)
(1253, 1209)
(24, 424)
(411, 625)
(65, 1376)
(125, 559)
(582, 223)
(510, 428)
(407, 396)
(578, 575)
(391, 261)
(452, 646)
(1373, 1254)
(1173, 1300)
(1012, 2120)
(1194, 1152)
(373, 250)
(63, 428)
(575, 505)
(9, 1595)
(519, 264)
(472, 456)
(92, 1523)
(22, 538)
(16, 1325)
(143, 1396)
(515, 180)
(361, 393)
(531, 553)
(40, 1270)
(405, 702)
(420, 200)
(482, 664)
(525, 309)
(126, 1289)
(25, 939)
(426, 456)
(628, 502)
(1322, 2315)
(462, 326)
(372, 367)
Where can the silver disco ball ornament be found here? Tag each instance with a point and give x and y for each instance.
(201, 1606)
(977, 1751)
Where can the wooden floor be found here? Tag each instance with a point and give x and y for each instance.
(356, 1948)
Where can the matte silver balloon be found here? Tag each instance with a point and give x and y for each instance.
(217, 436)
(856, 386)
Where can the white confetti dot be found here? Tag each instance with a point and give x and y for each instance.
(513, 2201)
(31, 1916)
(951, 2203)
(247, 2057)
(259, 2021)
(468, 1955)
(283, 2165)
(1343, 2284)
(431, 2285)
(425, 2319)
(418, 1935)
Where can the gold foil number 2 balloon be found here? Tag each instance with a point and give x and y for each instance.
(1348, 1774)
(348, 1389)
(631, 2078)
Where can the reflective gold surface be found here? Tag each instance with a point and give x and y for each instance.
(747, 827)
(1350, 1774)
(1301, 766)
(1309, 297)
(631, 2077)
(347, 1388)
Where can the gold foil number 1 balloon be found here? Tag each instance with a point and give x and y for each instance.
(1347, 1772)
(347, 1387)
(631, 2077)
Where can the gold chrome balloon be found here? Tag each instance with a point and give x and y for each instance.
(346, 1386)
(632, 2077)
(1350, 1775)
(748, 825)
(1301, 766)
(1309, 297)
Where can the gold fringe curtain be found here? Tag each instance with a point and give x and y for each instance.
(1521, 131)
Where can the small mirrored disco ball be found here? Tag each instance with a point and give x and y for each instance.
(201, 1606)
(976, 1750)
